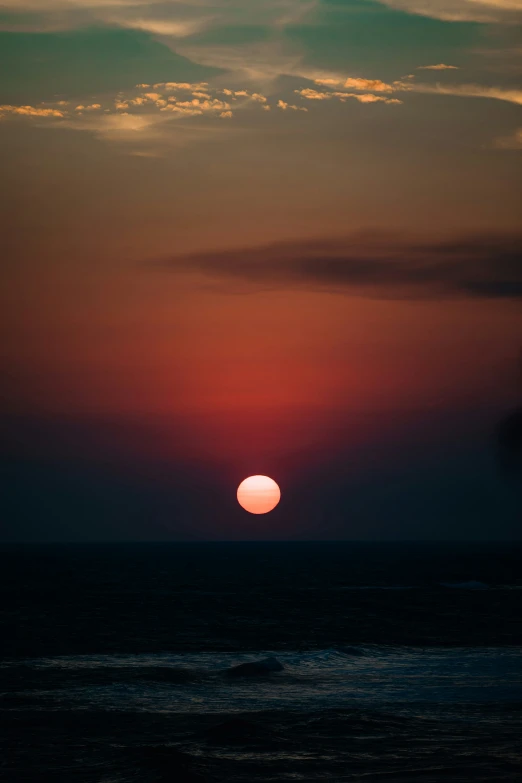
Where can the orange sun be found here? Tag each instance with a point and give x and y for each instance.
(258, 494)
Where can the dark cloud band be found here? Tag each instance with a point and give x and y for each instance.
(488, 267)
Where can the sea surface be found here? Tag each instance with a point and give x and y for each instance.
(400, 662)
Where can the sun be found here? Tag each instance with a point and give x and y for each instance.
(258, 494)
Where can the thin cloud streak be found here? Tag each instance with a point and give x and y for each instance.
(377, 266)
(484, 11)
(409, 84)
(468, 91)
(166, 18)
(315, 95)
(512, 142)
(438, 67)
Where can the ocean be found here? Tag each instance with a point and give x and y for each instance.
(398, 662)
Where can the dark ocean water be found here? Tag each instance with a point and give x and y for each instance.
(401, 662)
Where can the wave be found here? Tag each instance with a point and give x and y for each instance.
(379, 587)
(471, 585)
(370, 676)
(198, 665)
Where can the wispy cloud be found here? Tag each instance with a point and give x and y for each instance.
(278, 13)
(376, 266)
(53, 5)
(468, 91)
(149, 118)
(165, 27)
(485, 11)
(260, 63)
(166, 18)
(409, 84)
(170, 86)
(328, 82)
(178, 24)
(121, 127)
(145, 108)
(511, 142)
(141, 111)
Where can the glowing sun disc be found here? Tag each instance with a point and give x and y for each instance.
(258, 494)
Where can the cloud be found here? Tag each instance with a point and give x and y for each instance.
(179, 24)
(168, 19)
(485, 11)
(375, 265)
(186, 110)
(328, 82)
(143, 124)
(121, 127)
(467, 91)
(60, 5)
(408, 84)
(370, 85)
(253, 96)
(130, 113)
(29, 111)
(165, 27)
(146, 135)
(197, 106)
(439, 67)
(259, 63)
(183, 86)
(315, 95)
(284, 106)
(141, 106)
(183, 100)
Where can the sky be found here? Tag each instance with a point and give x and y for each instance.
(270, 237)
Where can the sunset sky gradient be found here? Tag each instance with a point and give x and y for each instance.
(275, 237)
